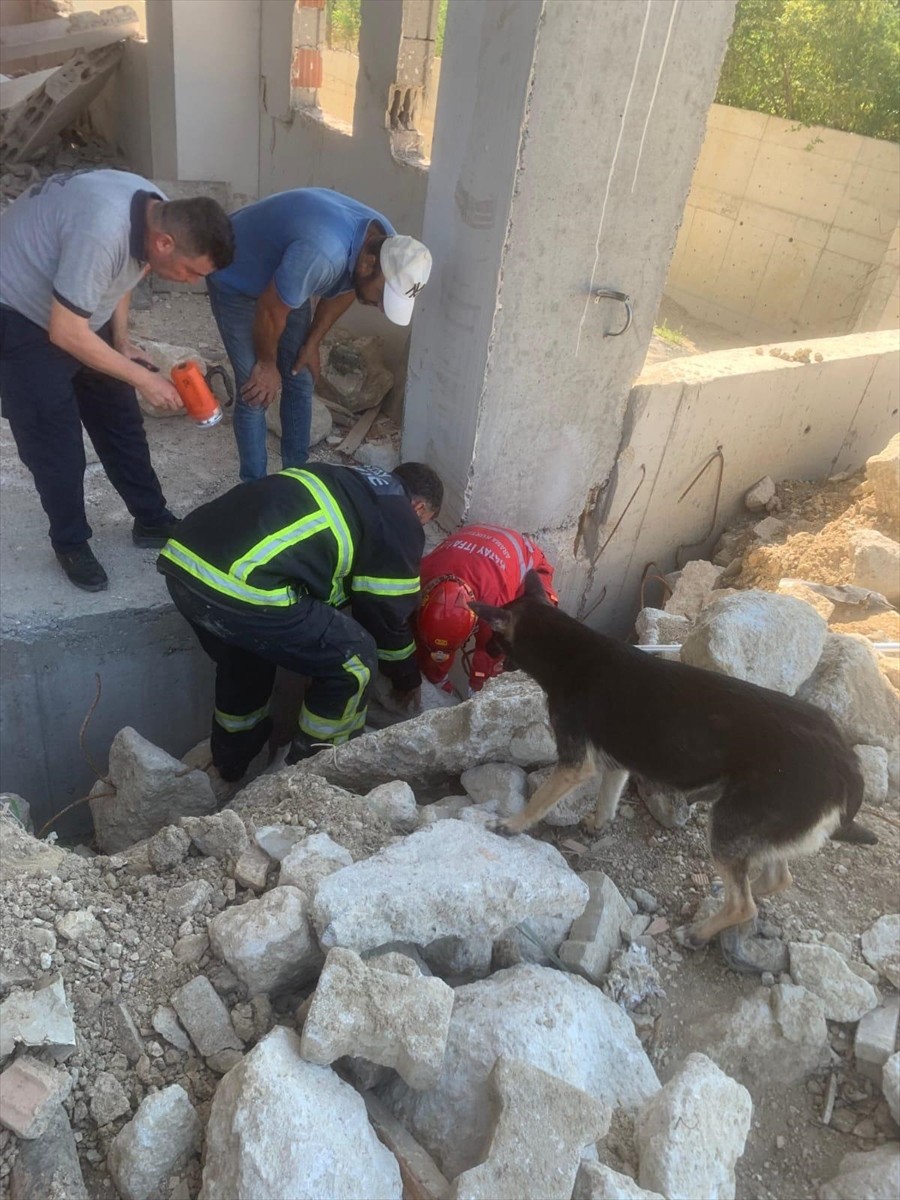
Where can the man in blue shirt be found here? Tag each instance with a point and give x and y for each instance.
(290, 248)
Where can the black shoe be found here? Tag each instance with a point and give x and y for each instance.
(303, 747)
(153, 537)
(83, 569)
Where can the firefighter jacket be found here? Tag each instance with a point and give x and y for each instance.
(343, 535)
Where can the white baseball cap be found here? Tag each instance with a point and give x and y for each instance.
(406, 264)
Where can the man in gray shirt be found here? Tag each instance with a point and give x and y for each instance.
(71, 249)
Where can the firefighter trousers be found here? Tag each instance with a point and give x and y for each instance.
(310, 638)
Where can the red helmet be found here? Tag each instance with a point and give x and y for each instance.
(445, 621)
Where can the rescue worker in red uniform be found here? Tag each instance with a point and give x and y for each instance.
(479, 562)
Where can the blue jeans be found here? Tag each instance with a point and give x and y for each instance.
(235, 314)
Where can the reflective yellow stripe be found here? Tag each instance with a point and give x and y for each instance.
(338, 730)
(235, 724)
(397, 655)
(385, 587)
(338, 527)
(272, 545)
(220, 582)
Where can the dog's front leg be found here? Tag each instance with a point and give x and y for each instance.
(560, 783)
(612, 785)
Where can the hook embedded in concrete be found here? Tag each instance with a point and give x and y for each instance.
(609, 294)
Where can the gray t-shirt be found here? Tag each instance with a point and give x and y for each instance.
(76, 238)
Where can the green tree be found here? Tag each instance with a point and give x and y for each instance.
(821, 62)
(343, 20)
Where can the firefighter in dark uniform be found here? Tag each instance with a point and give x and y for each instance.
(315, 569)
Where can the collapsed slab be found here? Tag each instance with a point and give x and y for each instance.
(451, 879)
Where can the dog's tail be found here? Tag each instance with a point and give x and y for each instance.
(852, 786)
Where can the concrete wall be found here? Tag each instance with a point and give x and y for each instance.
(786, 228)
(771, 417)
(154, 677)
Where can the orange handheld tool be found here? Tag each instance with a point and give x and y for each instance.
(196, 395)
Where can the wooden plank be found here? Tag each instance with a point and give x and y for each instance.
(421, 1178)
(359, 432)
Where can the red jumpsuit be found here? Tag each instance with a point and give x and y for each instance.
(493, 562)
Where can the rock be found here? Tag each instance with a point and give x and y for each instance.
(222, 835)
(691, 1134)
(881, 947)
(450, 879)
(113, 1021)
(267, 942)
(541, 1128)
(876, 1038)
(844, 996)
(800, 590)
(873, 763)
(876, 563)
(321, 422)
(874, 1175)
(501, 787)
(251, 870)
(596, 934)
(693, 589)
(769, 529)
(773, 1037)
(21, 854)
(78, 924)
(596, 1181)
(883, 473)
(890, 1081)
(165, 357)
(395, 802)
(39, 1018)
(771, 640)
(30, 1095)
(307, 863)
(353, 371)
(575, 806)
(281, 1126)
(505, 722)
(757, 497)
(278, 840)
(48, 1168)
(554, 1021)
(16, 808)
(205, 1017)
(530, 942)
(152, 789)
(646, 901)
(190, 948)
(223, 1061)
(460, 958)
(378, 454)
(165, 1022)
(395, 1020)
(849, 686)
(164, 1132)
(168, 848)
(668, 806)
(108, 1099)
(182, 902)
(655, 627)
(632, 977)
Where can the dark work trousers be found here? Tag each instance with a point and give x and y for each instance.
(47, 395)
(309, 638)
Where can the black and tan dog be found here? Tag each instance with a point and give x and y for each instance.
(780, 774)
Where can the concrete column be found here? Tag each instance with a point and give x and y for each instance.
(565, 141)
(380, 32)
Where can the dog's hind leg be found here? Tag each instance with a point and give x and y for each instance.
(737, 909)
(612, 784)
(774, 877)
(551, 791)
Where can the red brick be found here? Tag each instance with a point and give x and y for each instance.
(29, 1095)
(307, 69)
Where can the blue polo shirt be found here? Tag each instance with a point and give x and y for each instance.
(307, 240)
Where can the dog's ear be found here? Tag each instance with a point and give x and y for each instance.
(534, 589)
(499, 619)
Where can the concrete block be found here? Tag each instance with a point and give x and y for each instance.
(596, 934)
(205, 1017)
(30, 1095)
(876, 1038)
(268, 942)
(543, 1124)
(164, 1132)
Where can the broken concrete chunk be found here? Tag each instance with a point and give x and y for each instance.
(251, 870)
(883, 473)
(165, 1022)
(164, 1132)
(542, 1126)
(873, 763)
(890, 1082)
(183, 901)
(450, 879)
(693, 589)
(596, 1181)
(691, 1134)
(881, 947)
(39, 1018)
(668, 806)
(501, 787)
(108, 1099)
(30, 1095)
(848, 684)
(267, 942)
(78, 924)
(876, 1038)
(395, 802)
(844, 996)
(205, 1017)
(309, 861)
(656, 627)
(756, 498)
(395, 1020)
(221, 835)
(302, 1131)
(22, 854)
(874, 1174)
(540, 1016)
(596, 934)
(876, 563)
(771, 640)
(353, 371)
(48, 1168)
(152, 790)
(168, 848)
(278, 840)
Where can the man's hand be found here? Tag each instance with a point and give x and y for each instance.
(128, 349)
(158, 390)
(308, 357)
(263, 385)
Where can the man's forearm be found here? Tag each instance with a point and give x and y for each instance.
(327, 312)
(91, 350)
(268, 326)
(119, 321)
